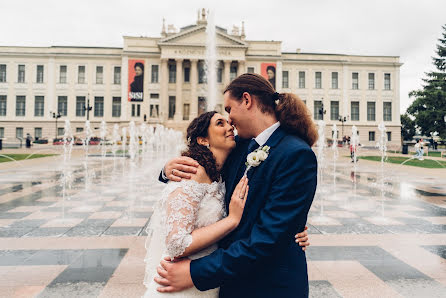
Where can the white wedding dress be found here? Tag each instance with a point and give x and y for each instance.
(183, 207)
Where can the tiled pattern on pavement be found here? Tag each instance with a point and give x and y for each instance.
(366, 238)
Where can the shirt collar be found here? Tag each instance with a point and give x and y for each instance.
(264, 135)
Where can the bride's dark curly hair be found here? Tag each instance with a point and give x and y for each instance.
(199, 128)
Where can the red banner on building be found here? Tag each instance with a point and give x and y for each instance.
(136, 80)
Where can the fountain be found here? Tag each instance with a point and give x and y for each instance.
(67, 175)
(382, 147)
(334, 149)
(211, 62)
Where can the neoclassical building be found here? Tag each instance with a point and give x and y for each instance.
(162, 80)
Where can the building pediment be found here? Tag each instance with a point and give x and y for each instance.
(196, 36)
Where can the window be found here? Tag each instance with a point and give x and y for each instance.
(371, 81)
(99, 74)
(201, 73)
(171, 106)
(19, 132)
(116, 107)
(387, 81)
(202, 105)
(387, 109)
(154, 95)
(371, 136)
(2, 105)
(99, 106)
(39, 106)
(154, 111)
(301, 79)
(60, 131)
(334, 80)
(80, 106)
(389, 136)
(187, 74)
(172, 73)
(79, 129)
(318, 80)
(2, 73)
(136, 110)
(186, 111)
(37, 133)
(232, 72)
(334, 110)
(62, 105)
(39, 78)
(21, 74)
(318, 110)
(354, 113)
(117, 75)
(63, 74)
(219, 74)
(285, 80)
(20, 106)
(2, 132)
(155, 71)
(370, 111)
(251, 70)
(81, 74)
(355, 79)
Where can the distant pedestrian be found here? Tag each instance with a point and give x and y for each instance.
(419, 150)
(28, 140)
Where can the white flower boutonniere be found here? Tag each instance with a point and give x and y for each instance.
(255, 158)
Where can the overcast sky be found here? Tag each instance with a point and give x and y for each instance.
(405, 28)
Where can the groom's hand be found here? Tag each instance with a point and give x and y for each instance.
(302, 239)
(180, 167)
(175, 276)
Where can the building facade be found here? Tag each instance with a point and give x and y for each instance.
(42, 86)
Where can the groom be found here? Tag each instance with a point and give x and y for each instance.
(260, 258)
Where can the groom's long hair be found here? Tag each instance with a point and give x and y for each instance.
(290, 110)
(199, 128)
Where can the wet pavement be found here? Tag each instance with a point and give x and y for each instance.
(61, 235)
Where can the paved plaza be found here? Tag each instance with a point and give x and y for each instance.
(77, 229)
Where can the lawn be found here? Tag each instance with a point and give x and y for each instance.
(17, 157)
(426, 163)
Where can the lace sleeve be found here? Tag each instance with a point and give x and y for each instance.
(181, 208)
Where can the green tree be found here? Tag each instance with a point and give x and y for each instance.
(407, 127)
(429, 106)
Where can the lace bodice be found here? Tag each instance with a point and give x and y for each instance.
(189, 205)
(183, 207)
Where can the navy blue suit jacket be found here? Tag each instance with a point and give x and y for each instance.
(260, 258)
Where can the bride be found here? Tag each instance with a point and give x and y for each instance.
(190, 217)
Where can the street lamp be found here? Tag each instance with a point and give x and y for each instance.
(342, 119)
(56, 116)
(88, 108)
(322, 111)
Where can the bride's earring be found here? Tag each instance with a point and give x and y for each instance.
(207, 146)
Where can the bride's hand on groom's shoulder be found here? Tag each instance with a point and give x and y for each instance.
(302, 239)
(180, 168)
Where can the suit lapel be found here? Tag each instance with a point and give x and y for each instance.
(272, 142)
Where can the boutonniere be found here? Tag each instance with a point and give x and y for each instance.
(255, 158)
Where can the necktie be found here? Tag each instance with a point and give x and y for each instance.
(252, 146)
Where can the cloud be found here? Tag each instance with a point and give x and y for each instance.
(405, 28)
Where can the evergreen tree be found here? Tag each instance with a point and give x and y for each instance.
(429, 106)
(407, 127)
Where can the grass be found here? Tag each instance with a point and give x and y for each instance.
(433, 154)
(426, 163)
(18, 157)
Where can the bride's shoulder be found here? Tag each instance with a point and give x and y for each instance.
(201, 176)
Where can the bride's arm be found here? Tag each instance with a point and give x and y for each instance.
(183, 241)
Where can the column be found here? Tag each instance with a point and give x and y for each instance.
(164, 96)
(193, 90)
(226, 70)
(179, 92)
(241, 67)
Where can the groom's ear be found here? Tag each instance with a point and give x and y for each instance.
(247, 100)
